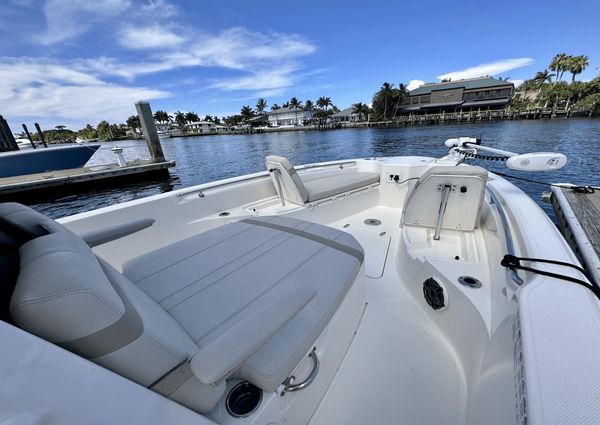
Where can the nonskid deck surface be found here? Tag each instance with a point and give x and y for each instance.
(399, 369)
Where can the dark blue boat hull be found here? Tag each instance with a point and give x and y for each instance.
(31, 161)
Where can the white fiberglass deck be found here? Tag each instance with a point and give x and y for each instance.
(402, 359)
(398, 366)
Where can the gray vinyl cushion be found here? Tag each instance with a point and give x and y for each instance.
(68, 296)
(213, 280)
(340, 182)
(323, 185)
(291, 183)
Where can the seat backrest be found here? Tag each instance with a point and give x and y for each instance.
(68, 296)
(467, 186)
(291, 184)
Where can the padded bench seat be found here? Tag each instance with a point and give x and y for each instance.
(210, 281)
(315, 188)
(340, 182)
(247, 299)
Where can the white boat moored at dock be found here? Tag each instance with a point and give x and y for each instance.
(376, 290)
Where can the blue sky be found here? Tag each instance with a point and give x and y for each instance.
(79, 61)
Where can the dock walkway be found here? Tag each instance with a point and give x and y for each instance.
(578, 216)
(73, 179)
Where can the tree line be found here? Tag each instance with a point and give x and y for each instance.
(548, 89)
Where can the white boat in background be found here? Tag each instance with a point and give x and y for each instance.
(377, 290)
(80, 140)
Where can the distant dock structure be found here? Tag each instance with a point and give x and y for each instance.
(68, 181)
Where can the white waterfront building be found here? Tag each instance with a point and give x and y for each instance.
(289, 116)
(201, 127)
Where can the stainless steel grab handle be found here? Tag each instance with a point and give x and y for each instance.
(289, 387)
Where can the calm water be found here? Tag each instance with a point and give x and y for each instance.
(205, 159)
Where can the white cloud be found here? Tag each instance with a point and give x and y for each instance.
(266, 61)
(87, 89)
(159, 8)
(492, 68)
(66, 19)
(264, 79)
(50, 92)
(152, 37)
(413, 84)
(517, 83)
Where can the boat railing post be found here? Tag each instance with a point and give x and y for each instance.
(40, 134)
(442, 211)
(29, 136)
(149, 128)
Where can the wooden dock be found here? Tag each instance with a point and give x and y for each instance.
(578, 216)
(49, 184)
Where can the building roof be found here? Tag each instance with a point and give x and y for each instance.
(285, 109)
(345, 113)
(200, 123)
(468, 83)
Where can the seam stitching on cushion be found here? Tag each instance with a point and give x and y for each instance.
(252, 300)
(215, 271)
(138, 281)
(250, 260)
(48, 253)
(41, 300)
(166, 348)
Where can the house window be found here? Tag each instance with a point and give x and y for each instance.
(426, 99)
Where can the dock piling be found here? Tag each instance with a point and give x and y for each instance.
(149, 128)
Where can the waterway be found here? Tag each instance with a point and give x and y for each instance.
(208, 158)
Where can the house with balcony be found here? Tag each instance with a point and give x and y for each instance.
(287, 116)
(482, 93)
(203, 127)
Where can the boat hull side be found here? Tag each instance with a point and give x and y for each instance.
(41, 160)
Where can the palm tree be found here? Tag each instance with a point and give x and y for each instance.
(324, 102)
(360, 109)
(246, 112)
(286, 105)
(192, 117)
(560, 63)
(261, 105)
(162, 116)
(133, 122)
(308, 105)
(401, 93)
(386, 91)
(577, 64)
(296, 104)
(541, 77)
(275, 106)
(180, 118)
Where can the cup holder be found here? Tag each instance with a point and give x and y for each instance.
(469, 281)
(243, 399)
